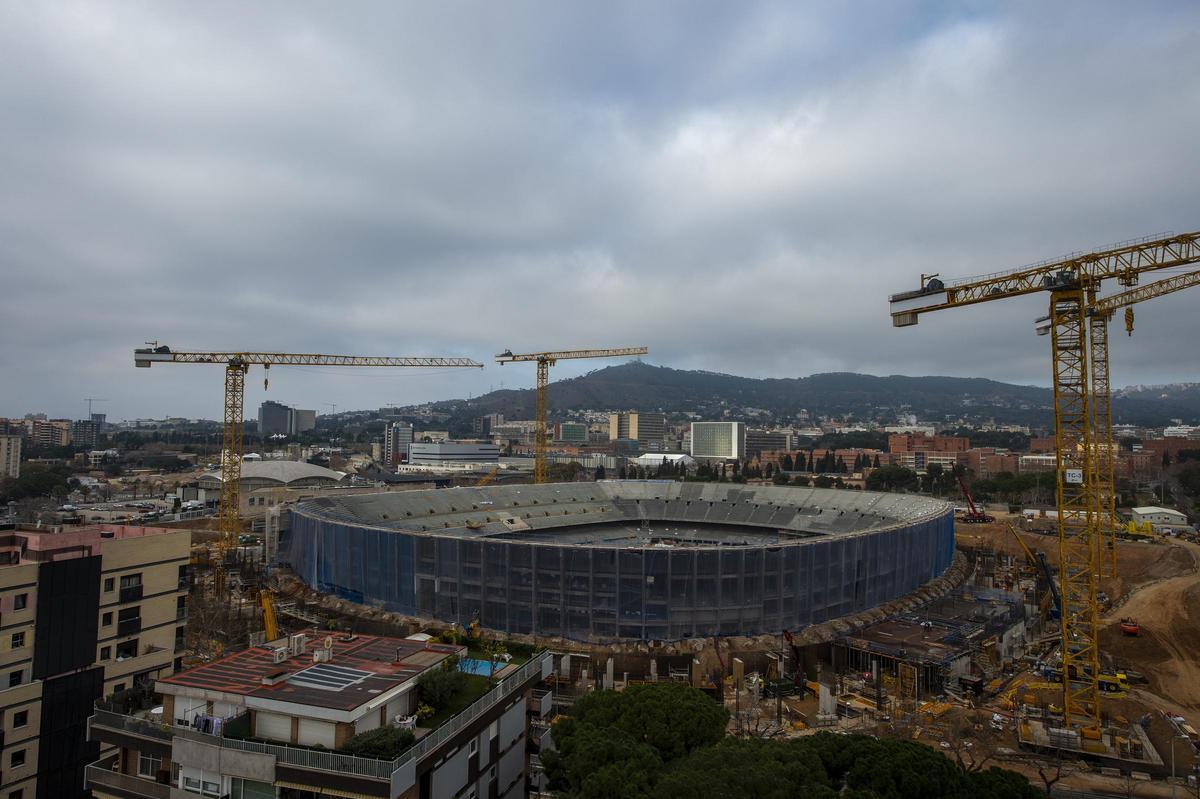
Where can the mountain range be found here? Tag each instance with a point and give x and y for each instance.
(640, 386)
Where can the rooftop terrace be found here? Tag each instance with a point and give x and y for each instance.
(358, 670)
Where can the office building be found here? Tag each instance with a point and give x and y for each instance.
(450, 453)
(718, 440)
(645, 428)
(759, 441)
(397, 438)
(571, 432)
(919, 442)
(88, 612)
(277, 419)
(274, 419)
(302, 421)
(277, 716)
(10, 456)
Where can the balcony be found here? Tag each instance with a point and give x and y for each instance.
(129, 626)
(541, 703)
(181, 613)
(101, 775)
(130, 593)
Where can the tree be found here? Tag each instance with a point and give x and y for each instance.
(785, 463)
(383, 742)
(599, 474)
(876, 464)
(621, 473)
(822, 481)
(1166, 459)
(438, 685)
(747, 768)
(891, 478)
(933, 476)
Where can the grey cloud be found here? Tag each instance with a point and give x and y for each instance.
(737, 186)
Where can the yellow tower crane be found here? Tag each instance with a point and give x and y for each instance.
(544, 361)
(1100, 313)
(1071, 283)
(237, 364)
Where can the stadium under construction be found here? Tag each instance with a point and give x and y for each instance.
(622, 560)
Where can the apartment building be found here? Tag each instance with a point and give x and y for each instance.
(84, 612)
(10, 456)
(272, 720)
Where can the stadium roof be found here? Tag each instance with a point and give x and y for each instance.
(281, 471)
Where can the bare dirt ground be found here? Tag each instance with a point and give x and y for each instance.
(1137, 563)
(1168, 649)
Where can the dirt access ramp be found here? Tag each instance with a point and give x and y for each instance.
(1168, 649)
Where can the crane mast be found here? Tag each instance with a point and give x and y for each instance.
(545, 360)
(1082, 419)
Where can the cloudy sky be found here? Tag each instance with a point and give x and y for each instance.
(738, 186)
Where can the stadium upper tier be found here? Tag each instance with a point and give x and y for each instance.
(622, 559)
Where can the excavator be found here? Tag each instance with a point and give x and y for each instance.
(1038, 561)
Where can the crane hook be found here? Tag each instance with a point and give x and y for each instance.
(1129, 320)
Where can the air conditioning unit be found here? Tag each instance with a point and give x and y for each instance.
(298, 643)
(322, 655)
(279, 654)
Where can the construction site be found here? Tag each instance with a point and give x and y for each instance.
(1066, 650)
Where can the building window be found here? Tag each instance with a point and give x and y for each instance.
(148, 765)
(127, 649)
(14, 678)
(131, 580)
(106, 619)
(129, 620)
(19, 793)
(17, 758)
(201, 785)
(473, 747)
(131, 588)
(108, 584)
(20, 601)
(20, 718)
(118, 688)
(105, 652)
(250, 789)
(18, 640)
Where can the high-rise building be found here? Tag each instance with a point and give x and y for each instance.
(302, 421)
(397, 438)
(42, 432)
(483, 426)
(88, 613)
(84, 433)
(10, 456)
(645, 428)
(274, 418)
(718, 440)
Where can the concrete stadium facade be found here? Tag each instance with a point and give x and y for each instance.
(622, 560)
